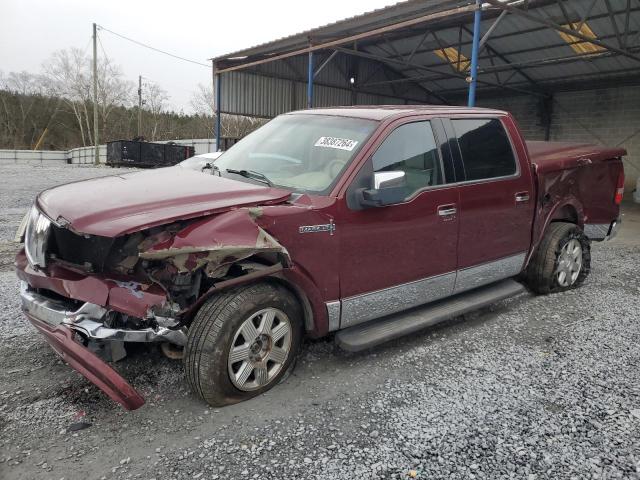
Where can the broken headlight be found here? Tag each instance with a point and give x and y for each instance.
(36, 237)
(19, 236)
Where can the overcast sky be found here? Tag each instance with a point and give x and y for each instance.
(30, 30)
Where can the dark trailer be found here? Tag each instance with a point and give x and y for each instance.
(131, 153)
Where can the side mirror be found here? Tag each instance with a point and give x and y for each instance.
(389, 188)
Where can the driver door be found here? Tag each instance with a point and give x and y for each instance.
(402, 255)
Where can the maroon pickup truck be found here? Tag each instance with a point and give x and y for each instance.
(326, 220)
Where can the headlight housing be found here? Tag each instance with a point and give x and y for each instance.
(36, 238)
(19, 236)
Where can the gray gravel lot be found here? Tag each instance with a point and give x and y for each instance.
(532, 387)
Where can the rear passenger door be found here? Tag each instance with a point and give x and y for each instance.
(495, 201)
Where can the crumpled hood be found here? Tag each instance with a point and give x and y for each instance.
(120, 204)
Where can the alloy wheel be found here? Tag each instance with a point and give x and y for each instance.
(569, 263)
(259, 350)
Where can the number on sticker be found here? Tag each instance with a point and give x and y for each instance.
(339, 143)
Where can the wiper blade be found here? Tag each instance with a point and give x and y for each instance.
(261, 177)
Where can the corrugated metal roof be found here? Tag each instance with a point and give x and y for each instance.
(397, 12)
(521, 55)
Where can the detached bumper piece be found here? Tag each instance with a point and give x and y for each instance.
(61, 339)
(66, 327)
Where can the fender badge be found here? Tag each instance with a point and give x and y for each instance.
(328, 227)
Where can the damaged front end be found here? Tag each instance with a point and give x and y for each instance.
(99, 293)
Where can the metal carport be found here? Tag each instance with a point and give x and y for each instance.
(422, 52)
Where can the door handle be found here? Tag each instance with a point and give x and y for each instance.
(447, 210)
(522, 197)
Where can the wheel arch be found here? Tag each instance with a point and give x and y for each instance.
(569, 213)
(316, 323)
(568, 210)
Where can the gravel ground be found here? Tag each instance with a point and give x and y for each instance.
(532, 387)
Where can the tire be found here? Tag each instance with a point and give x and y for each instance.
(221, 325)
(554, 255)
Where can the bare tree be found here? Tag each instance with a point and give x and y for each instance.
(113, 91)
(69, 76)
(22, 111)
(203, 106)
(155, 98)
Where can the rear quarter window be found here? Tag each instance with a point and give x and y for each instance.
(485, 148)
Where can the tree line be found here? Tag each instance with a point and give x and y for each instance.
(53, 109)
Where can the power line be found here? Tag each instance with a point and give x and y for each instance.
(153, 48)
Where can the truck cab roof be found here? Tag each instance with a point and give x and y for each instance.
(383, 112)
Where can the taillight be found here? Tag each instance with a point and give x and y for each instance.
(619, 189)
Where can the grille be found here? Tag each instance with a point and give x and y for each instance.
(88, 251)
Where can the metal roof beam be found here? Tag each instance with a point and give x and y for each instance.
(616, 77)
(420, 67)
(535, 49)
(490, 30)
(455, 68)
(549, 61)
(534, 30)
(489, 48)
(565, 14)
(324, 64)
(626, 23)
(586, 14)
(418, 45)
(555, 26)
(614, 24)
(392, 83)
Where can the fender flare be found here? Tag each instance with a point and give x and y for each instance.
(551, 215)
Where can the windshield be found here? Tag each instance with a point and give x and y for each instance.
(301, 152)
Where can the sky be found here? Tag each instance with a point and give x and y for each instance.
(31, 30)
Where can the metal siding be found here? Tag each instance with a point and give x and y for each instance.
(273, 88)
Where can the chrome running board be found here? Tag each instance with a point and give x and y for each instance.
(361, 337)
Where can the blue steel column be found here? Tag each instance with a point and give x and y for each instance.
(218, 115)
(474, 53)
(310, 81)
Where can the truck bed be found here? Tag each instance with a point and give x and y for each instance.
(575, 181)
(552, 156)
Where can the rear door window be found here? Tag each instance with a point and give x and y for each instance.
(411, 148)
(485, 148)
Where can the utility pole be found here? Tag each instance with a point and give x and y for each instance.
(95, 95)
(139, 105)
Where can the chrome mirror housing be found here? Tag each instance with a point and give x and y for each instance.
(389, 179)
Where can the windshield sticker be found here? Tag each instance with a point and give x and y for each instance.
(339, 143)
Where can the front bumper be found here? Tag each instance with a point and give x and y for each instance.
(88, 320)
(70, 324)
(61, 338)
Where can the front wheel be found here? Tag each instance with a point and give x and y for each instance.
(562, 260)
(242, 342)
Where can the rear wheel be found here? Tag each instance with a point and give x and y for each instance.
(562, 260)
(242, 342)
